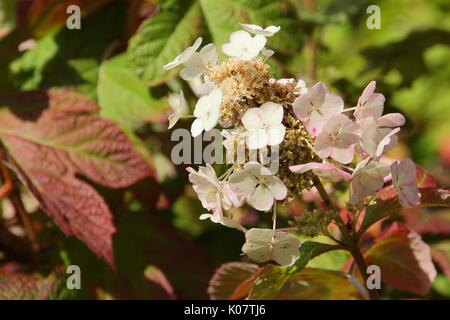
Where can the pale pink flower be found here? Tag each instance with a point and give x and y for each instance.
(209, 190)
(370, 104)
(404, 181)
(323, 170)
(368, 178)
(178, 104)
(267, 244)
(337, 139)
(258, 185)
(376, 139)
(264, 125)
(316, 106)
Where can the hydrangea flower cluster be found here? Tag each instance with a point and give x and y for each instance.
(317, 138)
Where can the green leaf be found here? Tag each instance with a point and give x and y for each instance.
(321, 284)
(272, 278)
(124, 98)
(430, 197)
(308, 251)
(269, 282)
(7, 16)
(161, 38)
(70, 58)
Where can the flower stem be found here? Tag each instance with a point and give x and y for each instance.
(351, 243)
(361, 263)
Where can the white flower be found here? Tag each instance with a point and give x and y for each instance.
(255, 29)
(267, 52)
(258, 185)
(185, 55)
(227, 222)
(235, 144)
(301, 86)
(368, 177)
(206, 86)
(404, 181)
(208, 188)
(267, 244)
(207, 112)
(337, 139)
(243, 46)
(316, 106)
(196, 64)
(264, 125)
(179, 105)
(322, 170)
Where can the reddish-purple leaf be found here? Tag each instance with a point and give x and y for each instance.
(430, 197)
(49, 153)
(428, 221)
(424, 179)
(404, 260)
(158, 277)
(232, 281)
(19, 286)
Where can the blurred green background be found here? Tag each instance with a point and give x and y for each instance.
(116, 59)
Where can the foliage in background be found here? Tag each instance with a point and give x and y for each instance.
(115, 61)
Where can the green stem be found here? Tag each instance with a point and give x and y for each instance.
(350, 242)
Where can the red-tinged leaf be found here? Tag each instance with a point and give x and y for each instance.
(424, 221)
(404, 260)
(9, 268)
(42, 16)
(232, 281)
(441, 255)
(30, 104)
(430, 197)
(50, 151)
(19, 286)
(424, 179)
(321, 284)
(156, 275)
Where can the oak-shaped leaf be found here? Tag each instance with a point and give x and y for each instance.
(233, 280)
(50, 150)
(404, 260)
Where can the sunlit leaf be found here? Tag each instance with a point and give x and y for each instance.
(232, 280)
(404, 260)
(60, 143)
